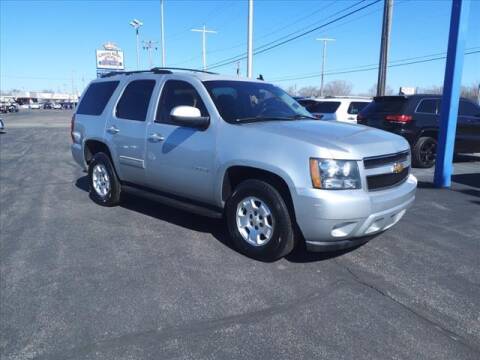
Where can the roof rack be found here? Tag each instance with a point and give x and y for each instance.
(155, 69)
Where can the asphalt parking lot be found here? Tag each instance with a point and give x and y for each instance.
(80, 281)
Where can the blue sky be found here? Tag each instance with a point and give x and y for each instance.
(43, 44)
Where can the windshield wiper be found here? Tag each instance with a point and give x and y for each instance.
(263, 118)
(298, 117)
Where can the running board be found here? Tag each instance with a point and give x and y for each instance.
(174, 201)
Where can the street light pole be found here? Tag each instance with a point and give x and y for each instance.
(136, 25)
(204, 31)
(163, 33)
(250, 39)
(324, 55)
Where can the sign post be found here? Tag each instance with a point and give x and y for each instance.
(451, 93)
(109, 59)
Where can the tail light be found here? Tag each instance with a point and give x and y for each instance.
(72, 126)
(399, 118)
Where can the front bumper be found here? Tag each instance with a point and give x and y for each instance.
(333, 220)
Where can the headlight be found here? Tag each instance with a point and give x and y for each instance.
(334, 174)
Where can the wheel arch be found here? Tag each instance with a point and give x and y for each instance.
(93, 146)
(235, 174)
(428, 132)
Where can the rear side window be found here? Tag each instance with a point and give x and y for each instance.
(386, 105)
(327, 107)
(467, 109)
(96, 97)
(356, 106)
(178, 93)
(133, 105)
(427, 106)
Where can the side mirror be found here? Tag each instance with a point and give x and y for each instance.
(189, 116)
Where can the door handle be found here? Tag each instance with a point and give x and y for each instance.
(113, 130)
(156, 137)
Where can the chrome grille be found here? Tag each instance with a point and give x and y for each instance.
(386, 171)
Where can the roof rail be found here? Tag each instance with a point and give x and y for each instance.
(155, 69)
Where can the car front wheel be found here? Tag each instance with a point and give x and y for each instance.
(259, 222)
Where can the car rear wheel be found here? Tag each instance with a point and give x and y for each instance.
(259, 222)
(105, 187)
(424, 152)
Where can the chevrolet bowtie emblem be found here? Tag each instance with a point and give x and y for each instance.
(397, 168)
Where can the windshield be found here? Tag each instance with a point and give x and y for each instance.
(250, 101)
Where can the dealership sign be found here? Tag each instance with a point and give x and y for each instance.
(110, 59)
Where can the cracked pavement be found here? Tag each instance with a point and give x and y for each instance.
(145, 281)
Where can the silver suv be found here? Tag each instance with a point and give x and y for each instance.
(243, 150)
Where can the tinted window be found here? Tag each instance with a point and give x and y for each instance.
(328, 107)
(133, 104)
(428, 106)
(178, 93)
(96, 97)
(252, 101)
(356, 106)
(466, 108)
(386, 105)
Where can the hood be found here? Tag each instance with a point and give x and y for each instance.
(342, 140)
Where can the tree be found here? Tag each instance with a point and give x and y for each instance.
(467, 91)
(472, 92)
(292, 90)
(309, 91)
(338, 88)
(373, 90)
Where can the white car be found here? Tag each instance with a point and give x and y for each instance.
(56, 106)
(35, 106)
(336, 108)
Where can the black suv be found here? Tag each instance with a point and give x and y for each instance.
(417, 117)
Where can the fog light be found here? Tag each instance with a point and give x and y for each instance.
(343, 229)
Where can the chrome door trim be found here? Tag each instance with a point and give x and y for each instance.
(126, 160)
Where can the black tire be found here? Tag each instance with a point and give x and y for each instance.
(424, 152)
(282, 240)
(112, 197)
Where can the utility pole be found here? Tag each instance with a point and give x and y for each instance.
(204, 31)
(162, 33)
(238, 68)
(385, 42)
(149, 46)
(250, 39)
(324, 55)
(136, 25)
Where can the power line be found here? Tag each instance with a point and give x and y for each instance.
(374, 67)
(243, 43)
(268, 47)
(313, 74)
(243, 56)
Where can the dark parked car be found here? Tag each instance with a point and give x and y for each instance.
(416, 118)
(67, 105)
